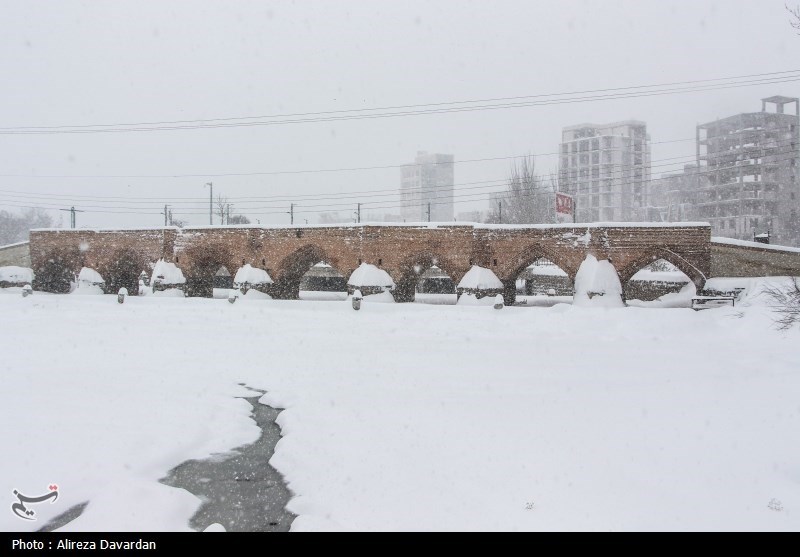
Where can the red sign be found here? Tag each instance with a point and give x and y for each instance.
(563, 204)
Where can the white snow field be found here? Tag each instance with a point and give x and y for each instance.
(407, 416)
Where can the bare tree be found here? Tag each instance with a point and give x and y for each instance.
(238, 219)
(330, 217)
(794, 16)
(15, 228)
(786, 303)
(221, 208)
(528, 198)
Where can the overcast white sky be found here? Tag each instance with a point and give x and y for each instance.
(77, 63)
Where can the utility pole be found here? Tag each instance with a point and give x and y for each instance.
(358, 213)
(72, 210)
(166, 214)
(291, 213)
(210, 203)
(229, 214)
(500, 212)
(429, 212)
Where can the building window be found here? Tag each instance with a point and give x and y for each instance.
(595, 144)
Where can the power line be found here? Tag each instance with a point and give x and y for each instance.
(451, 109)
(190, 208)
(357, 193)
(461, 198)
(399, 107)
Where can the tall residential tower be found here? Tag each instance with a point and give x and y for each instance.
(426, 188)
(606, 168)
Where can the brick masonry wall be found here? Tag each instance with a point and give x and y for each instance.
(403, 251)
(729, 260)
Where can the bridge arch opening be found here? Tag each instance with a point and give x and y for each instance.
(124, 270)
(429, 275)
(223, 282)
(204, 263)
(543, 283)
(659, 284)
(56, 271)
(661, 260)
(435, 286)
(323, 282)
(539, 278)
(302, 266)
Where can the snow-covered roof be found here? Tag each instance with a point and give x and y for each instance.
(12, 273)
(90, 276)
(252, 275)
(480, 278)
(370, 275)
(168, 273)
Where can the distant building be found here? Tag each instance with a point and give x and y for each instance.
(427, 185)
(676, 194)
(606, 168)
(750, 184)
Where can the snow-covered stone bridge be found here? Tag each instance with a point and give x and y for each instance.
(403, 250)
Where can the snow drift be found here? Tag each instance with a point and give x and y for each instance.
(597, 284)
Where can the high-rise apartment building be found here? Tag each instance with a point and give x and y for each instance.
(426, 188)
(606, 168)
(750, 167)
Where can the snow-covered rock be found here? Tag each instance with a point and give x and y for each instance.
(597, 284)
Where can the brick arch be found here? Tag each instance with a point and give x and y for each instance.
(199, 263)
(122, 270)
(526, 257)
(523, 259)
(686, 267)
(405, 275)
(291, 269)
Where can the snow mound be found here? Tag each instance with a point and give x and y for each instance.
(370, 275)
(251, 275)
(253, 294)
(468, 299)
(597, 284)
(480, 278)
(89, 276)
(16, 274)
(170, 293)
(167, 273)
(384, 297)
(90, 282)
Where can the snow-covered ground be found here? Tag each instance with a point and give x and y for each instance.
(407, 416)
